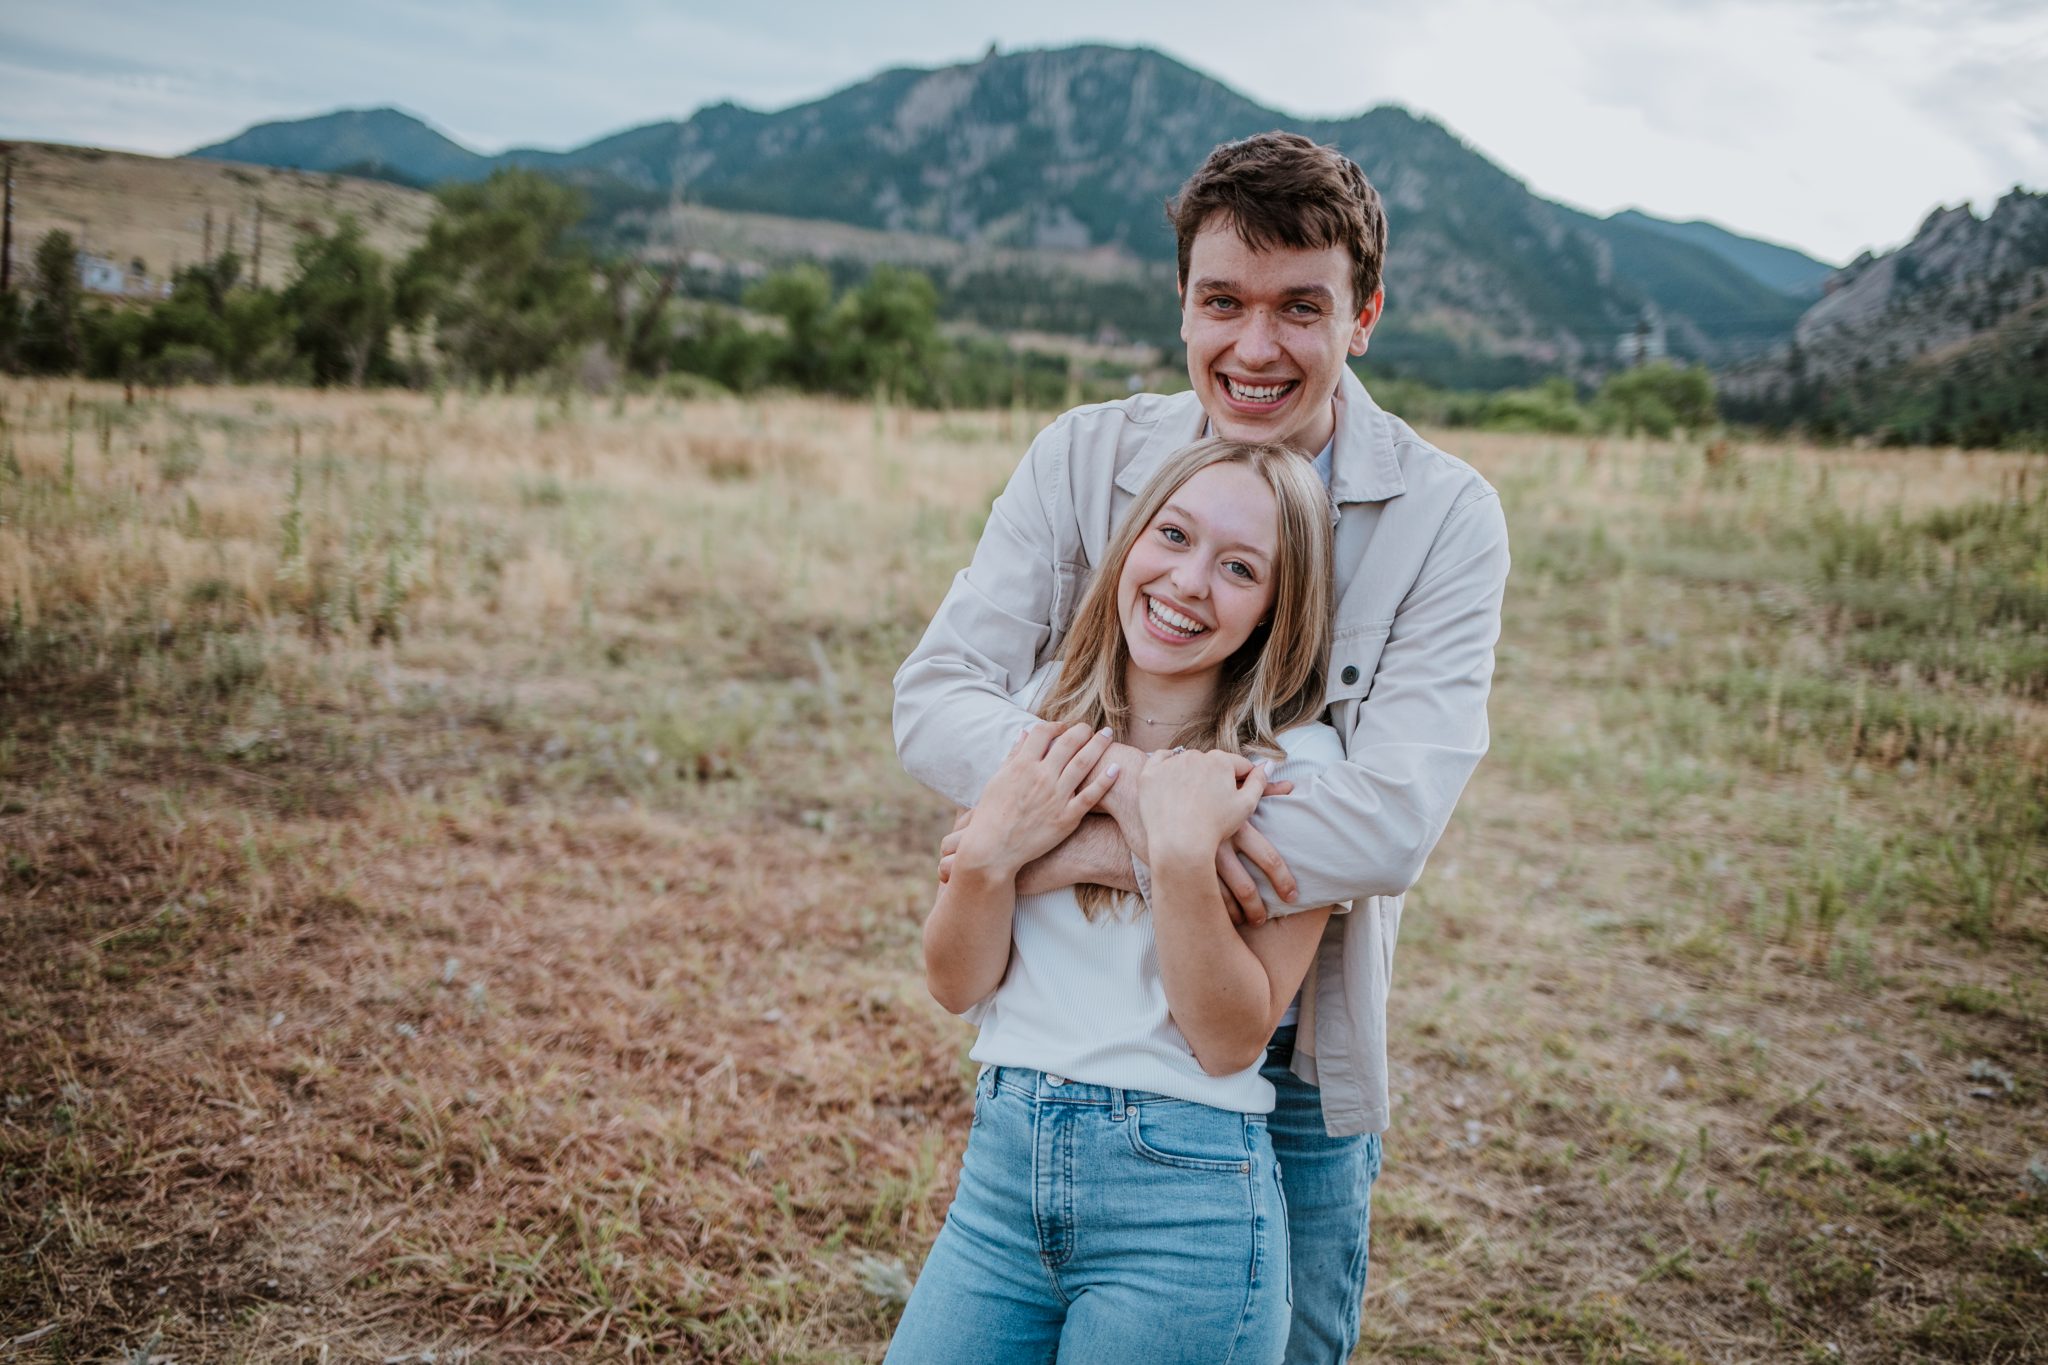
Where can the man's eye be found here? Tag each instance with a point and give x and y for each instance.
(1222, 303)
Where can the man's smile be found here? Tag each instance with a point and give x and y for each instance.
(1267, 393)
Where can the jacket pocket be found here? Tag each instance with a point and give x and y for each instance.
(1068, 582)
(1354, 658)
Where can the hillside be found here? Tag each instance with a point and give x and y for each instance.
(1773, 266)
(376, 140)
(1944, 339)
(1078, 149)
(153, 209)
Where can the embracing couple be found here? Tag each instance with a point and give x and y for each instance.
(1210, 688)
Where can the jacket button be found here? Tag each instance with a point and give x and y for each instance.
(1350, 674)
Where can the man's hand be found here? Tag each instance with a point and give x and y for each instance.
(1240, 892)
(950, 845)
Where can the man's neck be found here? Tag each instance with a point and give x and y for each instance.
(1310, 441)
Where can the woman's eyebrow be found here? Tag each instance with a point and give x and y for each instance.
(1186, 515)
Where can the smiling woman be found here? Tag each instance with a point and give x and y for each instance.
(1129, 1043)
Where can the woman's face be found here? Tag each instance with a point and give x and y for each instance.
(1200, 576)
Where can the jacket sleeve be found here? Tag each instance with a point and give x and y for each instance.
(1364, 827)
(954, 718)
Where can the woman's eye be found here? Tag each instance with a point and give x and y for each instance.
(1240, 568)
(1173, 535)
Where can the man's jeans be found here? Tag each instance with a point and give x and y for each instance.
(1104, 1227)
(1328, 1182)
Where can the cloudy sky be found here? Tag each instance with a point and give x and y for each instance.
(1831, 125)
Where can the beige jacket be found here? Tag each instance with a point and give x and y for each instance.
(1421, 563)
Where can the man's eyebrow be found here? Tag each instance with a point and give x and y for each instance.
(1186, 515)
(1319, 292)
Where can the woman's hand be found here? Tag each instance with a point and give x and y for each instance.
(1192, 800)
(1053, 777)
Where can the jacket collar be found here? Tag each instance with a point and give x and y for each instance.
(1363, 467)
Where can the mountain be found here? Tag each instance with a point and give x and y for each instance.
(1706, 308)
(1773, 266)
(1944, 339)
(1079, 149)
(359, 141)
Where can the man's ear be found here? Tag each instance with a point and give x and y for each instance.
(1368, 318)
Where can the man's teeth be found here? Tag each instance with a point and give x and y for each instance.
(1256, 393)
(1173, 620)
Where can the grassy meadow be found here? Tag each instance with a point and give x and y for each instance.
(458, 899)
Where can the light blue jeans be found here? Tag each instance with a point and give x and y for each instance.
(1099, 1226)
(1329, 1210)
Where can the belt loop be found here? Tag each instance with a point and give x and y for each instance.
(1116, 1104)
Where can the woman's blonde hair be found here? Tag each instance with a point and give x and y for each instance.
(1275, 680)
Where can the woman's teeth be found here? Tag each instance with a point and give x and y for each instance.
(1255, 393)
(1173, 620)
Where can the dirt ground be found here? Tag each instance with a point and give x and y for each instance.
(458, 899)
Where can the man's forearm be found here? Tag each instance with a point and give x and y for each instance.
(1094, 854)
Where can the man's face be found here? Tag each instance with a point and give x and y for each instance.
(1267, 332)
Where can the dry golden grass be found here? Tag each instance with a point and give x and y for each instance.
(123, 206)
(458, 894)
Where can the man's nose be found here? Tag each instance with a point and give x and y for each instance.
(1259, 341)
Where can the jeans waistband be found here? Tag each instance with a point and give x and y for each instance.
(1052, 1088)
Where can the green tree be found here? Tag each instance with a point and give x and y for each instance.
(341, 301)
(500, 276)
(801, 296)
(886, 334)
(13, 323)
(53, 335)
(1658, 399)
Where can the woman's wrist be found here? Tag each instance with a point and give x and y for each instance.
(978, 868)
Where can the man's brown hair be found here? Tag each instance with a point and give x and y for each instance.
(1281, 189)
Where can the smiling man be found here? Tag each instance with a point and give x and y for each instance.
(1280, 247)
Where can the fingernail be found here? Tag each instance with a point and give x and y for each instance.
(1105, 732)
(1111, 771)
(1265, 765)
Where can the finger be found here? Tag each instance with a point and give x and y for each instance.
(1281, 788)
(1240, 893)
(960, 821)
(1263, 767)
(1066, 744)
(1086, 759)
(1094, 789)
(950, 845)
(1041, 737)
(945, 869)
(1256, 847)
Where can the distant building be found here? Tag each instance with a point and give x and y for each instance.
(99, 275)
(1644, 344)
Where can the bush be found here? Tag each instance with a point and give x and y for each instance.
(1656, 400)
(179, 363)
